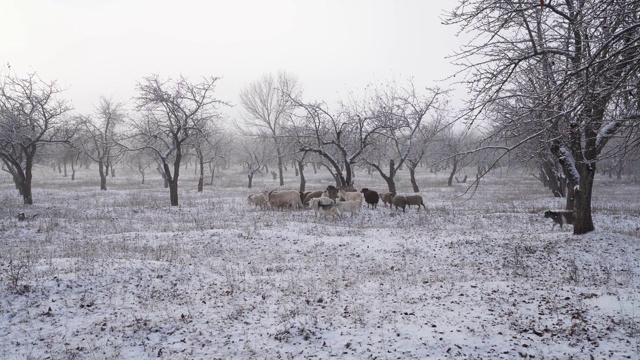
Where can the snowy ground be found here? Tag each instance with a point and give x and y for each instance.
(119, 274)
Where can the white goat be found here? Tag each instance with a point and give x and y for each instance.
(328, 209)
(315, 203)
(352, 207)
(351, 196)
(258, 200)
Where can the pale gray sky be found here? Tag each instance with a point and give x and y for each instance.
(96, 47)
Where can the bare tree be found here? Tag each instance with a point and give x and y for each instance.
(253, 155)
(587, 55)
(32, 114)
(399, 114)
(209, 146)
(172, 112)
(140, 161)
(267, 104)
(428, 140)
(339, 139)
(103, 146)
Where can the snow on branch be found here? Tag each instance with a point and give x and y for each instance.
(166, 154)
(606, 132)
(569, 164)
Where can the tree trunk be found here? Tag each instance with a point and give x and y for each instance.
(164, 176)
(250, 176)
(201, 179)
(15, 175)
(348, 180)
(412, 174)
(303, 181)
(173, 181)
(213, 171)
(453, 171)
(391, 184)
(65, 169)
(570, 200)
(26, 182)
(173, 184)
(26, 192)
(173, 192)
(103, 175)
(584, 221)
(280, 166)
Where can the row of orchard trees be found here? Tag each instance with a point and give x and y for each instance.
(171, 117)
(389, 127)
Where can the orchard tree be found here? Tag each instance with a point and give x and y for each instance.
(32, 115)
(267, 105)
(339, 138)
(173, 112)
(253, 155)
(400, 114)
(209, 146)
(426, 143)
(103, 137)
(140, 161)
(586, 54)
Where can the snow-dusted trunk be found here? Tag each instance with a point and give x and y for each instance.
(582, 202)
(570, 200)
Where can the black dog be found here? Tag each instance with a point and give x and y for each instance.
(560, 217)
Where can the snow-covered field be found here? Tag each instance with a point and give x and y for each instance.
(120, 274)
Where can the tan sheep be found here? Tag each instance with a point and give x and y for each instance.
(283, 199)
(386, 198)
(258, 200)
(398, 201)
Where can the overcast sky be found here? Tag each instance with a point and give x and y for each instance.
(97, 47)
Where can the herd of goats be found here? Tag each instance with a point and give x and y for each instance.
(333, 201)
